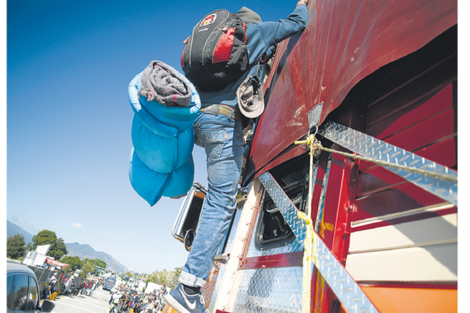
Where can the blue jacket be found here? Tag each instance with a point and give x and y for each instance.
(260, 37)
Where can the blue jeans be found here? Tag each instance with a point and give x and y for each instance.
(222, 138)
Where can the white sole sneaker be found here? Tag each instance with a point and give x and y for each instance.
(174, 304)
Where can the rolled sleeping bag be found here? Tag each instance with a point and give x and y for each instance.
(159, 153)
(151, 112)
(161, 161)
(152, 185)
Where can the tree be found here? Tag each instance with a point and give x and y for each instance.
(47, 237)
(101, 263)
(15, 247)
(58, 249)
(73, 262)
(44, 237)
(168, 278)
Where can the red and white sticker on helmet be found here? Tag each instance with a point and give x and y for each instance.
(209, 19)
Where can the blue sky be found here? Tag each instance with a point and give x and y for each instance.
(69, 120)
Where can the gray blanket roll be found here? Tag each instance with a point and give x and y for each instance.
(164, 84)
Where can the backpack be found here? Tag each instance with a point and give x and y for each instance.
(216, 55)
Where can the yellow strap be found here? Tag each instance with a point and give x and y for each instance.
(308, 258)
(310, 252)
(325, 226)
(317, 146)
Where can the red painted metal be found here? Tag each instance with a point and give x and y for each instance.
(323, 299)
(430, 131)
(337, 207)
(277, 260)
(426, 132)
(334, 53)
(438, 103)
(444, 153)
(287, 155)
(394, 200)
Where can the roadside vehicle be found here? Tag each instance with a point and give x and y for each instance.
(375, 79)
(109, 283)
(23, 293)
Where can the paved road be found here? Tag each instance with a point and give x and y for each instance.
(96, 303)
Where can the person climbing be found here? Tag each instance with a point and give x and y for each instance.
(218, 128)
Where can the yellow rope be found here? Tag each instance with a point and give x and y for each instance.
(317, 146)
(309, 257)
(310, 253)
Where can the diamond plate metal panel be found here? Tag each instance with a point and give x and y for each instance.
(371, 147)
(295, 246)
(286, 207)
(343, 285)
(276, 290)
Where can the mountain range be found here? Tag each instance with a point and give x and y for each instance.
(13, 229)
(83, 251)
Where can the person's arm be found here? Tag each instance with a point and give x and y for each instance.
(275, 32)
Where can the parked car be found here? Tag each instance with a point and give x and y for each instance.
(22, 290)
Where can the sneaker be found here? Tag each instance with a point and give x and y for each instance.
(184, 303)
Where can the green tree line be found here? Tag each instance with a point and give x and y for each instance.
(167, 278)
(17, 250)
